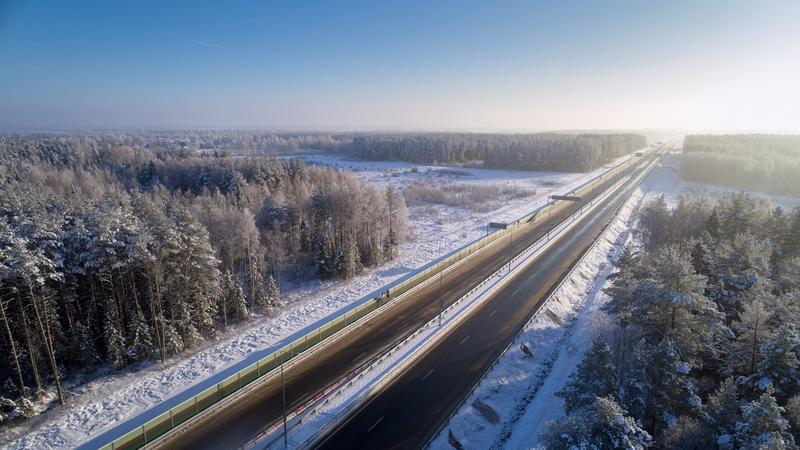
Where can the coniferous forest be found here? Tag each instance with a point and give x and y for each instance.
(704, 351)
(759, 162)
(117, 248)
(550, 152)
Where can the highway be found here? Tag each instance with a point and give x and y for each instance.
(238, 423)
(412, 407)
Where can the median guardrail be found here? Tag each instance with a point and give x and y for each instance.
(178, 415)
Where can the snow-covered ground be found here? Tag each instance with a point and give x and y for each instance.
(130, 398)
(350, 394)
(520, 388)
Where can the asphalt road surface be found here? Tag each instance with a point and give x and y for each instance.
(414, 406)
(239, 423)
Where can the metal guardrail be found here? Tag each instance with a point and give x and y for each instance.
(335, 390)
(541, 305)
(178, 415)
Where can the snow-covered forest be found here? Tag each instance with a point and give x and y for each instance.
(759, 162)
(113, 251)
(705, 348)
(554, 152)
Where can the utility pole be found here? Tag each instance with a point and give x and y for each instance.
(283, 391)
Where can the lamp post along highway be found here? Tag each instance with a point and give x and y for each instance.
(549, 213)
(511, 248)
(441, 294)
(283, 393)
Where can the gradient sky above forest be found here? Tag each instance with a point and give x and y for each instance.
(454, 65)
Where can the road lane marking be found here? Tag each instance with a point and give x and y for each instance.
(375, 424)
(427, 374)
(515, 292)
(490, 315)
(359, 356)
(464, 340)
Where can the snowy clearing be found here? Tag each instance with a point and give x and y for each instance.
(96, 408)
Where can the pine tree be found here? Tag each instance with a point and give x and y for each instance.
(712, 225)
(634, 389)
(673, 391)
(687, 433)
(602, 424)
(792, 238)
(777, 227)
(326, 265)
(173, 343)
(724, 407)
(751, 329)
(763, 425)
(701, 258)
(233, 305)
(655, 220)
(623, 283)
(273, 293)
(82, 352)
(391, 242)
(793, 413)
(185, 325)
(670, 301)
(350, 262)
(779, 366)
(788, 274)
(197, 276)
(257, 296)
(140, 343)
(594, 377)
(115, 343)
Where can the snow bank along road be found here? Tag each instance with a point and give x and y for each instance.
(240, 420)
(410, 409)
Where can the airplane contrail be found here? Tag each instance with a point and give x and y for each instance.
(209, 44)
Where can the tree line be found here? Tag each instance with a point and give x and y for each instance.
(114, 254)
(553, 152)
(704, 350)
(766, 163)
(220, 141)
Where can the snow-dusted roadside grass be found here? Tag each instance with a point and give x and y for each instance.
(100, 405)
(521, 388)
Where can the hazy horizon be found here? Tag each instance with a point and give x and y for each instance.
(507, 67)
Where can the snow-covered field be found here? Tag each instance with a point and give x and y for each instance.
(97, 407)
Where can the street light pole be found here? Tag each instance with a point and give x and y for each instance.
(283, 392)
(511, 248)
(441, 294)
(549, 215)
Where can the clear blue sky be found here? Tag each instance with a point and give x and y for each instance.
(468, 65)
